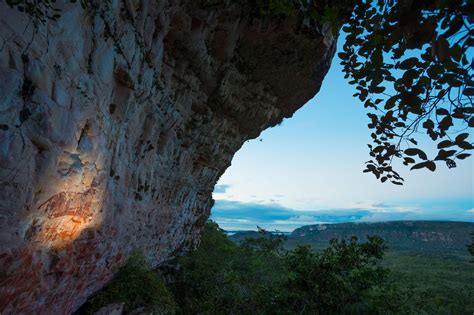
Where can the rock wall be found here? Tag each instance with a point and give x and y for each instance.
(117, 120)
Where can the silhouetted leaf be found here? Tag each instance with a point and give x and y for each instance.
(415, 151)
(408, 63)
(455, 26)
(465, 145)
(434, 71)
(468, 91)
(391, 102)
(442, 112)
(445, 123)
(462, 156)
(444, 144)
(442, 154)
(461, 137)
(428, 124)
(428, 164)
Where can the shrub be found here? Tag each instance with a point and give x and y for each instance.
(137, 286)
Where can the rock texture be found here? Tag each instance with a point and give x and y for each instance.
(117, 120)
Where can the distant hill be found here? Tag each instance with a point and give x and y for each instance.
(426, 235)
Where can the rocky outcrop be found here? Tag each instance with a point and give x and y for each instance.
(117, 120)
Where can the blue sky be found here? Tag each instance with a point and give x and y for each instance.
(309, 170)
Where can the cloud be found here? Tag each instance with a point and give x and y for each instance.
(221, 189)
(234, 215)
(381, 205)
(385, 207)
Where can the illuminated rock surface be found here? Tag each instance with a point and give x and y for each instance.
(115, 125)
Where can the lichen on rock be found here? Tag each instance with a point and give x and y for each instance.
(116, 122)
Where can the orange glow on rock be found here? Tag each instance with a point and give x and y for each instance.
(61, 229)
(67, 214)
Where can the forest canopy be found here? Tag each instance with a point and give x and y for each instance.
(264, 274)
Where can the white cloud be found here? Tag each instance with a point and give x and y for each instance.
(470, 210)
(380, 207)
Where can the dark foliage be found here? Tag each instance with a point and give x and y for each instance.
(223, 278)
(137, 286)
(411, 63)
(260, 276)
(470, 248)
(338, 278)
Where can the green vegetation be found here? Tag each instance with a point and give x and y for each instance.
(223, 278)
(435, 274)
(442, 283)
(137, 286)
(409, 280)
(435, 236)
(260, 276)
(471, 246)
(264, 274)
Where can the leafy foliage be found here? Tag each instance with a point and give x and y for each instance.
(222, 278)
(339, 279)
(136, 286)
(409, 61)
(440, 282)
(470, 248)
(260, 276)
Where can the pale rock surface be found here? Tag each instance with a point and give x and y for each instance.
(117, 121)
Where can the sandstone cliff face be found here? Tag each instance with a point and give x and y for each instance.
(116, 122)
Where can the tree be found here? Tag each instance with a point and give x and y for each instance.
(411, 63)
(470, 247)
(337, 280)
(260, 276)
(137, 287)
(223, 278)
